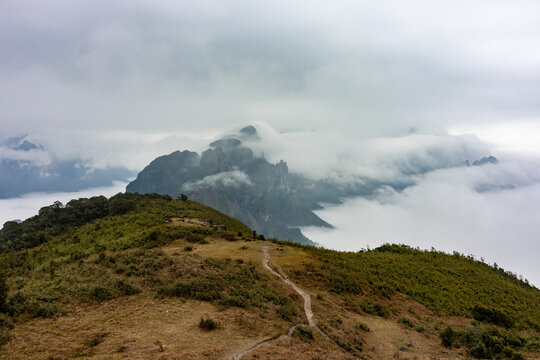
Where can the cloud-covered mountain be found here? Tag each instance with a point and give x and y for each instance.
(232, 178)
(229, 177)
(26, 166)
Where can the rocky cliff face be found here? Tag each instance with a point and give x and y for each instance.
(228, 177)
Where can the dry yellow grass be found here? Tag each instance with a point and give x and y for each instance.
(218, 248)
(140, 327)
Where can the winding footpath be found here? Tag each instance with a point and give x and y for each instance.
(303, 294)
(307, 308)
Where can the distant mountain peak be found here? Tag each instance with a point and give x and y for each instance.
(483, 161)
(249, 132)
(21, 143)
(26, 145)
(229, 177)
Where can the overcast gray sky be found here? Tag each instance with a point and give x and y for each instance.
(339, 88)
(370, 67)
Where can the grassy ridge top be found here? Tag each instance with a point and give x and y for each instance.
(447, 284)
(94, 250)
(57, 257)
(133, 213)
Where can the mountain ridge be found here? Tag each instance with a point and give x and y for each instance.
(133, 275)
(230, 178)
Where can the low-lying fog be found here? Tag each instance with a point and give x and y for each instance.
(443, 211)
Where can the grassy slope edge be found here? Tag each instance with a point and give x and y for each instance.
(131, 252)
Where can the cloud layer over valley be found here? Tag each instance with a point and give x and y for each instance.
(445, 210)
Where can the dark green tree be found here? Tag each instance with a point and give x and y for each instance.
(3, 293)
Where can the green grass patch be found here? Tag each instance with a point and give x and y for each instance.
(447, 284)
(303, 333)
(229, 283)
(488, 341)
(406, 322)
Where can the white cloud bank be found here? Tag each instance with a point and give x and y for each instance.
(233, 179)
(346, 157)
(445, 212)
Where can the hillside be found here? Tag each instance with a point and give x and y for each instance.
(147, 276)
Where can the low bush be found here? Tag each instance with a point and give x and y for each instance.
(197, 288)
(95, 339)
(100, 293)
(227, 235)
(448, 336)
(138, 262)
(154, 238)
(5, 326)
(492, 316)
(287, 312)
(4, 335)
(208, 324)
(3, 294)
(42, 309)
(195, 238)
(406, 322)
(52, 220)
(21, 302)
(362, 326)
(374, 308)
(485, 342)
(303, 333)
(336, 323)
(126, 287)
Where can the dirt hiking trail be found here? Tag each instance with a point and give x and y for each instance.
(307, 308)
